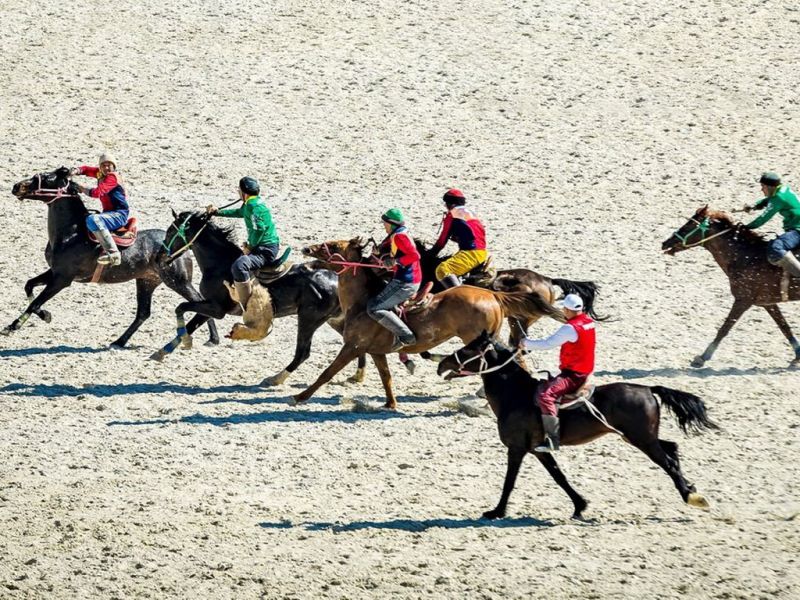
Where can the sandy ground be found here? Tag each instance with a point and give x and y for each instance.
(583, 132)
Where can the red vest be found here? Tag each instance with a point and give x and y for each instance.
(578, 356)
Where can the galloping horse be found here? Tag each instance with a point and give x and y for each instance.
(73, 257)
(514, 280)
(309, 294)
(461, 312)
(742, 255)
(632, 410)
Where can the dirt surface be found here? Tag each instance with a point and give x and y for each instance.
(583, 133)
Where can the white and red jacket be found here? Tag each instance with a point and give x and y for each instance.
(577, 340)
(109, 189)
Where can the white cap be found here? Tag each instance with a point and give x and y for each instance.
(572, 302)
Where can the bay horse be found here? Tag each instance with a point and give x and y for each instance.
(310, 294)
(513, 280)
(631, 409)
(72, 256)
(742, 254)
(462, 312)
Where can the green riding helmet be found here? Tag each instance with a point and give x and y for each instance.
(394, 216)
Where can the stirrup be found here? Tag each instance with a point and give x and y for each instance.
(546, 447)
(112, 259)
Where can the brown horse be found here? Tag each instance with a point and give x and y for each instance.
(462, 312)
(742, 254)
(625, 408)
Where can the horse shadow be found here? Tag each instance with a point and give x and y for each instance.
(101, 390)
(332, 400)
(701, 373)
(23, 352)
(413, 525)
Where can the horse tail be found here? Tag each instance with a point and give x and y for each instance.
(689, 409)
(526, 305)
(587, 290)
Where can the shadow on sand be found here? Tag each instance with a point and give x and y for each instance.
(701, 373)
(106, 390)
(413, 525)
(9, 352)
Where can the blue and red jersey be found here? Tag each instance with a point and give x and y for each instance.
(461, 225)
(109, 189)
(400, 245)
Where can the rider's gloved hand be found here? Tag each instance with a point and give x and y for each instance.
(388, 262)
(74, 171)
(747, 208)
(211, 209)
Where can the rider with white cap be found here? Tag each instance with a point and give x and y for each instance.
(576, 338)
(114, 201)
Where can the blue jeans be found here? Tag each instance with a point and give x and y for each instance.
(381, 306)
(259, 257)
(783, 244)
(111, 220)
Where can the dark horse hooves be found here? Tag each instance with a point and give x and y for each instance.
(493, 514)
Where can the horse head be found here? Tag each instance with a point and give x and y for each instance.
(45, 187)
(472, 358)
(347, 250)
(182, 232)
(702, 226)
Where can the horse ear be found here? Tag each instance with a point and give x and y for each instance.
(62, 171)
(702, 210)
(174, 214)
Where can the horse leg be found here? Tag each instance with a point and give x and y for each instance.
(307, 325)
(41, 279)
(204, 310)
(386, 379)
(777, 316)
(557, 474)
(180, 280)
(737, 310)
(346, 355)
(515, 456)
(665, 454)
(144, 302)
(361, 365)
(55, 285)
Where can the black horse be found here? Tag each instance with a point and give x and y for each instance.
(513, 280)
(72, 256)
(311, 294)
(632, 410)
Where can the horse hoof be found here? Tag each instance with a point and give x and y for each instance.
(357, 377)
(698, 362)
(795, 364)
(390, 405)
(493, 514)
(186, 342)
(211, 343)
(410, 366)
(158, 356)
(275, 379)
(6, 331)
(295, 400)
(45, 316)
(697, 501)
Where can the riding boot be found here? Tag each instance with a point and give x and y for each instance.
(403, 336)
(450, 281)
(552, 439)
(111, 255)
(243, 290)
(790, 264)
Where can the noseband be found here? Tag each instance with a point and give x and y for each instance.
(335, 258)
(484, 367)
(52, 193)
(180, 232)
(702, 227)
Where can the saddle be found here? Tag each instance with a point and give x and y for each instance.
(275, 270)
(418, 301)
(578, 397)
(482, 275)
(124, 236)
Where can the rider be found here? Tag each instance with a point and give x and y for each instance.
(261, 248)
(577, 340)
(461, 225)
(779, 199)
(401, 255)
(114, 201)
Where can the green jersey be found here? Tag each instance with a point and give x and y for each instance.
(782, 201)
(258, 220)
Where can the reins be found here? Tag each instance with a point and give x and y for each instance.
(482, 369)
(181, 232)
(53, 193)
(702, 227)
(335, 258)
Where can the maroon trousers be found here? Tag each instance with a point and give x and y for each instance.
(549, 393)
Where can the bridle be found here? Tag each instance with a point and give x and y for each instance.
(180, 232)
(52, 193)
(484, 367)
(702, 227)
(336, 258)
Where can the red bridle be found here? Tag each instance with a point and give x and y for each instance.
(335, 258)
(53, 193)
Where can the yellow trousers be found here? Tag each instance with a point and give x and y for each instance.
(461, 262)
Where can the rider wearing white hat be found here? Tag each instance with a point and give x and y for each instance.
(577, 341)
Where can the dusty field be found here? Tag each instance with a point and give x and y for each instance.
(584, 133)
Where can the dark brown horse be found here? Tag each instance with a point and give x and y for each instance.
(742, 254)
(461, 312)
(632, 410)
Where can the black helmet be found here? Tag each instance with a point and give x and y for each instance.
(769, 178)
(249, 186)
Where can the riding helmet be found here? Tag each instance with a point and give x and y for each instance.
(770, 178)
(249, 186)
(454, 197)
(394, 216)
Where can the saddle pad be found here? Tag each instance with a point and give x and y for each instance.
(124, 236)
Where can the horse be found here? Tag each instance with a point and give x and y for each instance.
(513, 280)
(310, 294)
(625, 408)
(72, 256)
(462, 312)
(742, 254)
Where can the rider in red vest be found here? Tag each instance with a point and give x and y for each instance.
(577, 340)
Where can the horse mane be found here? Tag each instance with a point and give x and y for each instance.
(742, 234)
(224, 234)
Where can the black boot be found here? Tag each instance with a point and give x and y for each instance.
(551, 435)
(450, 281)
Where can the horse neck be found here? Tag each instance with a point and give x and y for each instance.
(65, 216)
(727, 250)
(210, 249)
(352, 288)
(497, 383)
